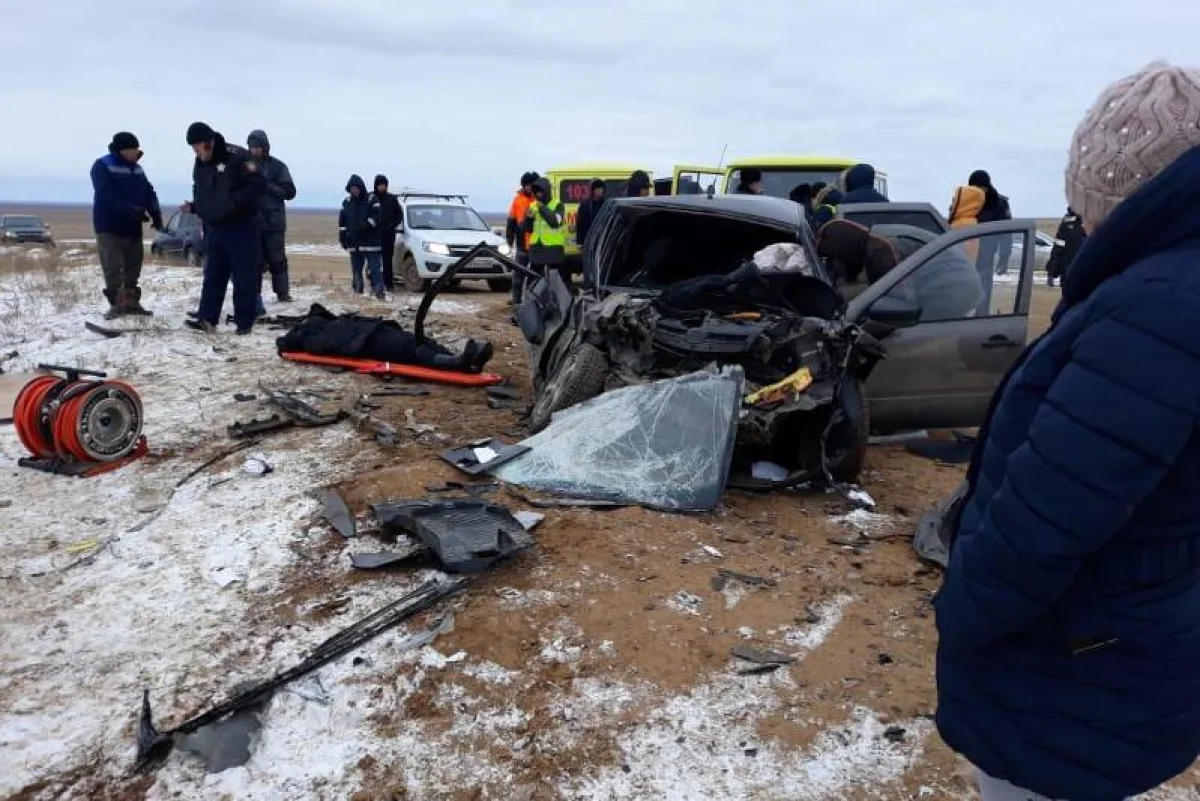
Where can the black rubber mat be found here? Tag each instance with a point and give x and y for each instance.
(466, 536)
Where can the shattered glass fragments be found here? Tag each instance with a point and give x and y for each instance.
(665, 445)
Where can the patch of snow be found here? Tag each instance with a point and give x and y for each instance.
(491, 673)
(829, 614)
(441, 305)
(324, 249)
(685, 603)
(734, 592)
(768, 471)
(862, 520)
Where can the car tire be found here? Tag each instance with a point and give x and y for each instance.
(500, 284)
(411, 277)
(580, 377)
(849, 435)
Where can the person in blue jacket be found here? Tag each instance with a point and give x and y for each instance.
(227, 186)
(1068, 662)
(124, 199)
(859, 186)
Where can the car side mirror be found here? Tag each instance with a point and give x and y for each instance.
(894, 312)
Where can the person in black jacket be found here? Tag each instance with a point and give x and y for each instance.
(588, 210)
(639, 184)
(1069, 238)
(227, 186)
(272, 212)
(994, 251)
(359, 233)
(749, 182)
(391, 217)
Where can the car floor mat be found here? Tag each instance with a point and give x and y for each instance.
(466, 536)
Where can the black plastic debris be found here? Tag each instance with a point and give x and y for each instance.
(759, 670)
(723, 577)
(466, 536)
(393, 392)
(336, 512)
(931, 540)
(762, 656)
(946, 451)
(377, 559)
(244, 397)
(225, 743)
(482, 455)
(894, 734)
(503, 392)
(303, 412)
(153, 745)
(458, 486)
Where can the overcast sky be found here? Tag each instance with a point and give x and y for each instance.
(464, 95)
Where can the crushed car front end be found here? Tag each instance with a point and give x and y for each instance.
(676, 289)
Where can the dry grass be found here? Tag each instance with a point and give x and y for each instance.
(36, 282)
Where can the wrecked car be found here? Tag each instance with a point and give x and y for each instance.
(676, 284)
(675, 287)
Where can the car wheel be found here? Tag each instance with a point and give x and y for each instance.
(413, 281)
(846, 447)
(580, 378)
(500, 284)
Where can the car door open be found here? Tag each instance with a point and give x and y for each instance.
(952, 326)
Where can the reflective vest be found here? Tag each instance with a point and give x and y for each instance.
(547, 244)
(543, 233)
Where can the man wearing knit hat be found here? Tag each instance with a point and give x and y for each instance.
(226, 188)
(1069, 619)
(123, 199)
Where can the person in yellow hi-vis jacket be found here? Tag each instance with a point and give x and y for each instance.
(546, 224)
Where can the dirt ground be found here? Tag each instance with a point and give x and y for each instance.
(634, 596)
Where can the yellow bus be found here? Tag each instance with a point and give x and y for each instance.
(572, 184)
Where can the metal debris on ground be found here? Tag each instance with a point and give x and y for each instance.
(410, 422)
(153, 745)
(482, 455)
(529, 520)
(244, 397)
(378, 559)
(564, 503)
(503, 392)
(723, 577)
(304, 412)
(458, 486)
(396, 392)
(241, 446)
(761, 656)
(337, 513)
(252, 427)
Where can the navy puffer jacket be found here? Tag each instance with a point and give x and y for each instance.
(1069, 620)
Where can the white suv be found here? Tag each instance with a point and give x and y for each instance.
(437, 230)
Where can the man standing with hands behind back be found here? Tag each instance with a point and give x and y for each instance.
(226, 188)
(273, 213)
(124, 199)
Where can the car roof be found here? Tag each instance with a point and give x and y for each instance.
(805, 161)
(433, 198)
(764, 207)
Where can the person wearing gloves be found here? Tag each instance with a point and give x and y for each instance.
(227, 187)
(359, 233)
(1069, 615)
(123, 199)
(272, 211)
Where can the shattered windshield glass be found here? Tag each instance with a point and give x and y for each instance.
(665, 445)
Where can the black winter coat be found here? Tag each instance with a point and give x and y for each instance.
(391, 216)
(227, 189)
(358, 223)
(280, 186)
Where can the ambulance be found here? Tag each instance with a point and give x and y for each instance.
(572, 184)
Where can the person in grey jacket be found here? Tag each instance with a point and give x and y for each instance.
(272, 213)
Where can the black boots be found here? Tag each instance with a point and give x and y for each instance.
(114, 307)
(125, 301)
(471, 360)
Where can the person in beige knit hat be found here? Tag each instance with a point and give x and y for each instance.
(1069, 620)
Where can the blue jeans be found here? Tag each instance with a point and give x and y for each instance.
(231, 256)
(374, 264)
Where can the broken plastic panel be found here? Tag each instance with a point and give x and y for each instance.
(934, 533)
(665, 445)
(466, 535)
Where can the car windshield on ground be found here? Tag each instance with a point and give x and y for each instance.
(23, 222)
(779, 182)
(445, 218)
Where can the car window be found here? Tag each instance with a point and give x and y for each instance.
(978, 277)
(780, 181)
(577, 190)
(925, 220)
(173, 223)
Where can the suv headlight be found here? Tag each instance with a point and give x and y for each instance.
(10, 234)
(437, 248)
(503, 249)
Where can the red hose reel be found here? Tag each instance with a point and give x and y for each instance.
(78, 426)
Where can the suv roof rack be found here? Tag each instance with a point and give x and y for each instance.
(437, 195)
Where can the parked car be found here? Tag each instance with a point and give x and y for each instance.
(181, 237)
(22, 228)
(436, 231)
(627, 328)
